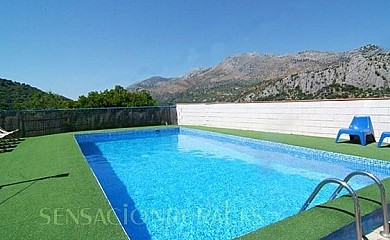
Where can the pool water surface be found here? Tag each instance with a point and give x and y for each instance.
(179, 183)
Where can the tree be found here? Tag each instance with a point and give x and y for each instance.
(42, 100)
(117, 97)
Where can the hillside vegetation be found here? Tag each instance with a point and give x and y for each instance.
(359, 73)
(16, 96)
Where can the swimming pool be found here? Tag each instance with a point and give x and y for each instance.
(180, 183)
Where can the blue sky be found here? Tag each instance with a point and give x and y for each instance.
(72, 47)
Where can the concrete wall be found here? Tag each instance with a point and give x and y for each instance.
(317, 118)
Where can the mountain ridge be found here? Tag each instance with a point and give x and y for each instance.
(310, 74)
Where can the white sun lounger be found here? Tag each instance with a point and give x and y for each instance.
(4, 133)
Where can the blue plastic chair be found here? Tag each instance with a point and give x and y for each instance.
(360, 126)
(383, 136)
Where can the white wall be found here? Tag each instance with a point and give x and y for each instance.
(317, 118)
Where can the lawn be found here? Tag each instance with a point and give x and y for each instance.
(71, 207)
(74, 207)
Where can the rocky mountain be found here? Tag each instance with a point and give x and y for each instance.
(358, 73)
(150, 83)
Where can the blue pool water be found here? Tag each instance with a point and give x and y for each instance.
(179, 183)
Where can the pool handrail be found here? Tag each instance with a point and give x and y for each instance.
(386, 228)
(342, 184)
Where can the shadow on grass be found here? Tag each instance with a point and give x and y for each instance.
(6, 150)
(370, 200)
(365, 225)
(337, 209)
(352, 214)
(35, 179)
(17, 193)
(385, 146)
(355, 139)
(349, 197)
(32, 181)
(8, 145)
(354, 142)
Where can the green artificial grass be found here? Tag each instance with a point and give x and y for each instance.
(69, 207)
(74, 207)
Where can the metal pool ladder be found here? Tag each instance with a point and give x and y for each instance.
(344, 184)
(386, 227)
